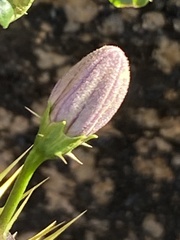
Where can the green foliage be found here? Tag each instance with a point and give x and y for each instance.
(11, 10)
(129, 3)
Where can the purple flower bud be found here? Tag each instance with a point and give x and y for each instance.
(91, 92)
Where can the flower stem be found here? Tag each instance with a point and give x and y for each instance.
(33, 160)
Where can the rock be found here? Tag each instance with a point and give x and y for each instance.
(171, 129)
(48, 59)
(113, 24)
(6, 118)
(129, 14)
(99, 226)
(176, 24)
(157, 168)
(103, 190)
(146, 146)
(86, 172)
(153, 21)
(81, 11)
(131, 236)
(174, 2)
(176, 160)
(167, 54)
(19, 124)
(152, 227)
(146, 118)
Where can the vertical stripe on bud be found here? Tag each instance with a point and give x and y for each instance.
(91, 92)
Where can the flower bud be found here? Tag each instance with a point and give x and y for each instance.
(91, 92)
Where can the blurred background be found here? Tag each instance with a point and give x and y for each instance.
(130, 180)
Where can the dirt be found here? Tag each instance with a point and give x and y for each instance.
(130, 180)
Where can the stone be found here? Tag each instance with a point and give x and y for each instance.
(152, 227)
(153, 21)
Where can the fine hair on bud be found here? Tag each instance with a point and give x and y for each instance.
(91, 92)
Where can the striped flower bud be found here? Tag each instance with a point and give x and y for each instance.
(91, 92)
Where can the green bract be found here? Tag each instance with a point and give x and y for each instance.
(129, 3)
(51, 141)
(10, 10)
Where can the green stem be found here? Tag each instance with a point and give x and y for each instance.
(32, 162)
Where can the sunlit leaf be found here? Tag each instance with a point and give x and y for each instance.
(10, 10)
(129, 3)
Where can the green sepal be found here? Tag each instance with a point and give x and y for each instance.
(129, 3)
(51, 140)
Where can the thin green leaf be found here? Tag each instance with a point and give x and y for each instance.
(9, 181)
(62, 229)
(22, 205)
(36, 186)
(43, 232)
(46, 231)
(13, 164)
(17, 213)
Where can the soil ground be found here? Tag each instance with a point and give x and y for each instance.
(130, 180)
